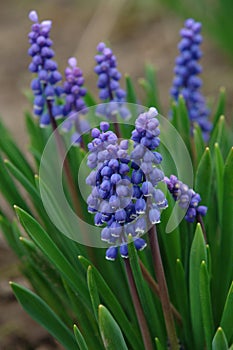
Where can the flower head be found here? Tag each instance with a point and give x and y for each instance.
(108, 84)
(124, 196)
(42, 64)
(74, 108)
(186, 81)
(187, 198)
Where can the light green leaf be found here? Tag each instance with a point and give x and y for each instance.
(227, 316)
(42, 314)
(219, 341)
(197, 255)
(93, 291)
(79, 338)
(110, 331)
(206, 305)
(150, 87)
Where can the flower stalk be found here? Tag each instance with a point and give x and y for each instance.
(163, 290)
(138, 307)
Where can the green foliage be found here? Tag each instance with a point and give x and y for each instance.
(74, 285)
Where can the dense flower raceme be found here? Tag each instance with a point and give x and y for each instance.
(74, 108)
(124, 196)
(44, 85)
(186, 81)
(108, 83)
(187, 198)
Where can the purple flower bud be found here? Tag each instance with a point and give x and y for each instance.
(124, 251)
(154, 216)
(111, 253)
(139, 244)
(33, 16)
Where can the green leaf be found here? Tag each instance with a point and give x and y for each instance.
(206, 305)
(226, 252)
(48, 247)
(89, 100)
(12, 151)
(110, 331)
(219, 169)
(180, 120)
(227, 316)
(198, 142)
(150, 87)
(131, 332)
(221, 106)
(131, 95)
(11, 236)
(204, 176)
(8, 188)
(182, 300)
(79, 338)
(159, 345)
(93, 291)
(219, 341)
(219, 135)
(197, 255)
(144, 292)
(42, 314)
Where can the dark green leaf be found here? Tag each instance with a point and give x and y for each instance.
(42, 314)
(131, 95)
(227, 316)
(197, 255)
(221, 106)
(204, 176)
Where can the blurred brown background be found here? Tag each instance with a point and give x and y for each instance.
(138, 31)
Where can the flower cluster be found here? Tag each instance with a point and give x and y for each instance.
(44, 85)
(108, 83)
(124, 198)
(74, 102)
(186, 81)
(187, 198)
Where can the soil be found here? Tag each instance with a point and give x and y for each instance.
(137, 34)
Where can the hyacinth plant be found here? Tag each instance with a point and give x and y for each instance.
(140, 285)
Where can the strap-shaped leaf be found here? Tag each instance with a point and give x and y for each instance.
(227, 316)
(130, 331)
(42, 314)
(219, 170)
(93, 291)
(226, 260)
(219, 341)
(79, 338)
(204, 176)
(48, 247)
(206, 305)
(159, 345)
(131, 95)
(110, 331)
(198, 142)
(220, 110)
(13, 152)
(197, 255)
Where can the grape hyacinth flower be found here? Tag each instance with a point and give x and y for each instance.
(186, 81)
(74, 108)
(108, 83)
(187, 198)
(124, 197)
(46, 70)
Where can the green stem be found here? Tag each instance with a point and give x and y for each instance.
(155, 288)
(163, 290)
(138, 308)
